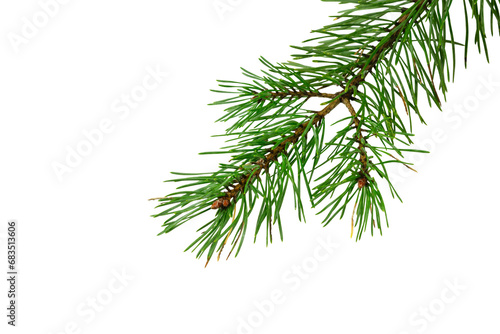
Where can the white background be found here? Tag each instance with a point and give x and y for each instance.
(77, 233)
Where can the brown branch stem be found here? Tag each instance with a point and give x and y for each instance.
(363, 157)
(302, 94)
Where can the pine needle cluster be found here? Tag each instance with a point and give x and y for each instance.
(366, 70)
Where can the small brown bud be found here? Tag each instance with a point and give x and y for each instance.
(362, 182)
(217, 204)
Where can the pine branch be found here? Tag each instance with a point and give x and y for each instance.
(379, 63)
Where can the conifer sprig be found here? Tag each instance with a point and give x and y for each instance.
(380, 54)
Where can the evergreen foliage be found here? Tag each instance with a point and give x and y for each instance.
(381, 55)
